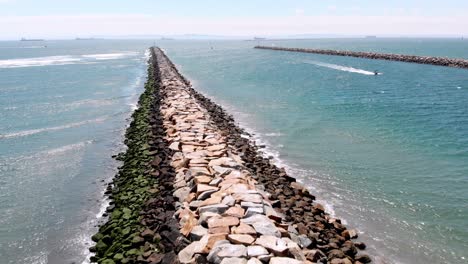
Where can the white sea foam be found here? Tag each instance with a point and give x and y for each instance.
(40, 61)
(109, 56)
(341, 67)
(46, 129)
(62, 60)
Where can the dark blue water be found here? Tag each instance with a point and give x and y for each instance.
(387, 153)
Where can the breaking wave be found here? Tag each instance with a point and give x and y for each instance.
(63, 60)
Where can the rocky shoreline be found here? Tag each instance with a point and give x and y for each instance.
(440, 61)
(194, 189)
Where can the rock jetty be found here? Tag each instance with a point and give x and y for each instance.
(212, 197)
(440, 61)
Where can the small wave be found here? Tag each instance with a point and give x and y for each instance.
(67, 148)
(273, 134)
(341, 67)
(46, 129)
(91, 102)
(10, 108)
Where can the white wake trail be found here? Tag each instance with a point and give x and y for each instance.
(341, 67)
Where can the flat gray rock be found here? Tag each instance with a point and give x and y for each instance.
(216, 208)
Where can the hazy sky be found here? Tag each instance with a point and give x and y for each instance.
(71, 18)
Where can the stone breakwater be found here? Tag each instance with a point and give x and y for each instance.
(141, 227)
(194, 189)
(440, 61)
(232, 205)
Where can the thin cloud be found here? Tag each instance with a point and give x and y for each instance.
(134, 24)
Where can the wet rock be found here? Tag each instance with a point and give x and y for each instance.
(363, 258)
(360, 245)
(349, 249)
(336, 253)
(314, 255)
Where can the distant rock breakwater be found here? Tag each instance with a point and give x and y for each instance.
(440, 61)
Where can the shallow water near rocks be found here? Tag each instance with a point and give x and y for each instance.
(386, 153)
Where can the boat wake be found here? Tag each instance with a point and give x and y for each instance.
(341, 67)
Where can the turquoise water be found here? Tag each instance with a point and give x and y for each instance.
(63, 111)
(387, 153)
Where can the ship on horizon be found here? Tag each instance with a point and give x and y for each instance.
(25, 39)
(84, 38)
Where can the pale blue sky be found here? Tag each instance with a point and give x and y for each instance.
(67, 18)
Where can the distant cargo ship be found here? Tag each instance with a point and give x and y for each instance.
(371, 37)
(257, 38)
(84, 38)
(25, 39)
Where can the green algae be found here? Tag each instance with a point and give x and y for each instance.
(118, 240)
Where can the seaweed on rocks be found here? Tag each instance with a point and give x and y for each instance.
(326, 237)
(141, 227)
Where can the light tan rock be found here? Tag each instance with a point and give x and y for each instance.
(244, 229)
(241, 239)
(204, 187)
(235, 211)
(219, 230)
(223, 221)
(212, 200)
(202, 179)
(216, 147)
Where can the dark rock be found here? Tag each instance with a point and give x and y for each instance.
(363, 258)
(336, 253)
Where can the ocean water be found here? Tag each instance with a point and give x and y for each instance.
(63, 112)
(387, 153)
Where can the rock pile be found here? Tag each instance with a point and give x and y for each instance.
(233, 205)
(440, 61)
